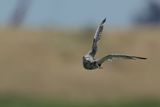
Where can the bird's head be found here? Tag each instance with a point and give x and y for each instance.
(86, 58)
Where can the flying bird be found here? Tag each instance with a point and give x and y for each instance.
(89, 61)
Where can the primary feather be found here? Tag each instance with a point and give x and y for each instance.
(96, 38)
(117, 56)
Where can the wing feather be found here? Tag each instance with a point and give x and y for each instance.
(97, 38)
(99, 31)
(118, 56)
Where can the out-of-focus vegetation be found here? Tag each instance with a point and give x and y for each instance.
(25, 102)
(48, 64)
(150, 14)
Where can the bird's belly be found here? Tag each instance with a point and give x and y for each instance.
(90, 65)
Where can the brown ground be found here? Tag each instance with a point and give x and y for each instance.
(48, 63)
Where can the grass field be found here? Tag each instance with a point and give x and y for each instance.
(28, 102)
(48, 64)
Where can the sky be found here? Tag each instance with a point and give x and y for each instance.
(74, 12)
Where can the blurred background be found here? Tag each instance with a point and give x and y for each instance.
(42, 43)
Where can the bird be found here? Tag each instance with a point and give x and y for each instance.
(89, 61)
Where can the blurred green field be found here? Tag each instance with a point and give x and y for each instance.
(48, 64)
(28, 102)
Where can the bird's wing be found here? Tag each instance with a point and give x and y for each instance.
(99, 31)
(117, 56)
(97, 38)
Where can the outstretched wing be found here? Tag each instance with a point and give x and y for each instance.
(117, 56)
(99, 31)
(97, 38)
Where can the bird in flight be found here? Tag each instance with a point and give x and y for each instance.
(89, 61)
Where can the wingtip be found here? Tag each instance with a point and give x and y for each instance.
(142, 58)
(103, 21)
(145, 58)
